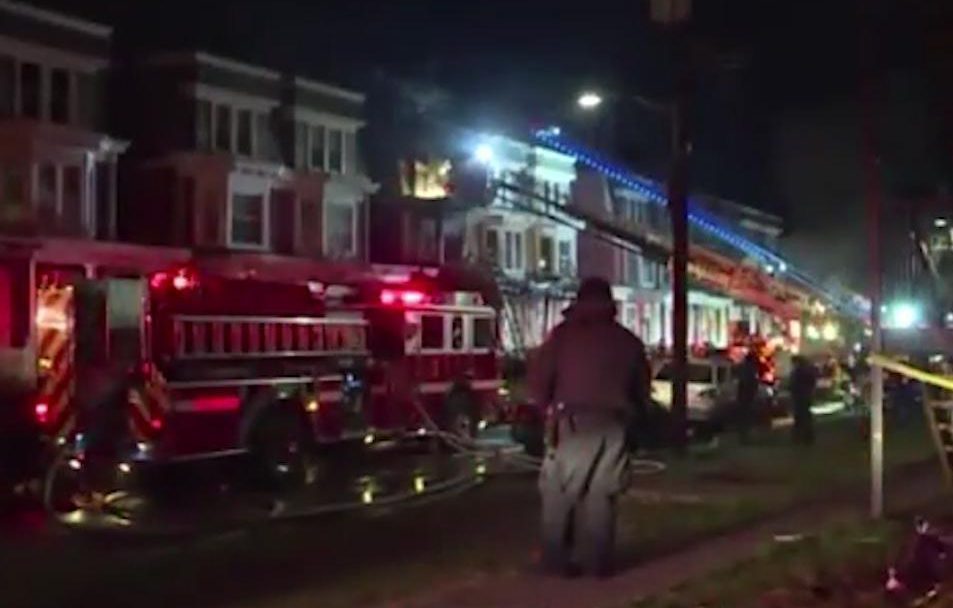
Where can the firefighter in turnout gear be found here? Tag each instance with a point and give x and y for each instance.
(592, 374)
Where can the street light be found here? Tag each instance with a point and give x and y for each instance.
(483, 154)
(589, 100)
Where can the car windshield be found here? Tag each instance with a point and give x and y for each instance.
(697, 373)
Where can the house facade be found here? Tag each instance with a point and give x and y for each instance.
(240, 158)
(57, 159)
(525, 235)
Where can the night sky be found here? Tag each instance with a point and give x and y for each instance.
(777, 104)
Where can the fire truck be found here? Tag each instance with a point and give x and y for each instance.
(224, 365)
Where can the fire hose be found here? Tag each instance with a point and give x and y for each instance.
(521, 461)
(115, 519)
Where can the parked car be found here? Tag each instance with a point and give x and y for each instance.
(712, 393)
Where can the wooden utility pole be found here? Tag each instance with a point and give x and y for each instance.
(674, 15)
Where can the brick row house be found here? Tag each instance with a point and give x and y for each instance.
(57, 161)
(239, 158)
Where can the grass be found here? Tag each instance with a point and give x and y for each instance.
(840, 566)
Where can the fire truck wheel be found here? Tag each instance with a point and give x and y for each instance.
(460, 415)
(280, 448)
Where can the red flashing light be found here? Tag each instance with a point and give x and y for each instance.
(159, 279)
(216, 403)
(156, 424)
(407, 297)
(41, 411)
(181, 280)
(412, 298)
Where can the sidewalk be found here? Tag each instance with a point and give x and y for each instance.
(657, 576)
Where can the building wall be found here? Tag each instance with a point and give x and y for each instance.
(57, 167)
(262, 162)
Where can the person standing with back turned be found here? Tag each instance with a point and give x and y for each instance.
(592, 373)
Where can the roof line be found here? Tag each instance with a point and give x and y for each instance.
(179, 57)
(321, 87)
(57, 19)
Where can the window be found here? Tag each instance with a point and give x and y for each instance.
(265, 139)
(244, 143)
(557, 195)
(482, 332)
(648, 272)
(11, 195)
(336, 150)
(223, 128)
(203, 125)
(248, 220)
(508, 251)
(30, 90)
(340, 230)
(546, 252)
(431, 331)
(59, 96)
(318, 134)
(632, 261)
(46, 195)
(72, 205)
(491, 247)
(565, 258)
(7, 85)
(302, 157)
(105, 178)
(456, 333)
(518, 250)
(89, 100)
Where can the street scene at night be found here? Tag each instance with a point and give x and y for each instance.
(476, 305)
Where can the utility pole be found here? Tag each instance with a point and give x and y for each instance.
(873, 192)
(674, 14)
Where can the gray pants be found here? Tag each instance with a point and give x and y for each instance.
(580, 479)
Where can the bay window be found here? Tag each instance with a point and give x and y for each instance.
(340, 230)
(247, 226)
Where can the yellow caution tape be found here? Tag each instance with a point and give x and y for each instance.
(944, 382)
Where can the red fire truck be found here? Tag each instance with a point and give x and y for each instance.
(228, 365)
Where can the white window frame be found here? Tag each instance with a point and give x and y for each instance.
(485, 250)
(249, 185)
(572, 263)
(325, 166)
(553, 262)
(236, 103)
(355, 207)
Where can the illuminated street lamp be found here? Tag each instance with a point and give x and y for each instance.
(483, 154)
(589, 100)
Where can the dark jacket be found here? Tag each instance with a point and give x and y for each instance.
(591, 361)
(748, 381)
(803, 383)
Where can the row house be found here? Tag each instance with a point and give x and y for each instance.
(57, 161)
(239, 158)
(525, 235)
(641, 279)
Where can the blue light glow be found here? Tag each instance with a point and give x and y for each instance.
(655, 192)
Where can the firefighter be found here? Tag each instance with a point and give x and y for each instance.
(803, 384)
(593, 374)
(748, 382)
(102, 395)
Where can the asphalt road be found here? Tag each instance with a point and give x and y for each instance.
(353, 557)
